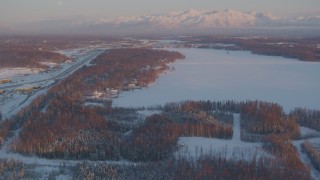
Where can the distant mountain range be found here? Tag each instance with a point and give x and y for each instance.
(211, 19)
(190, 21)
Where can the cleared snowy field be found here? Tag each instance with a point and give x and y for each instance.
(231, 149)
(208, 74)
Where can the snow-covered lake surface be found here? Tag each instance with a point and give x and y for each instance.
(208, 74)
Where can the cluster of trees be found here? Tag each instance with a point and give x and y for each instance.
(196, 106)
(284, 151)
(308, 118)
(94, 171)
(80, 134)
(12, 169)
(267, 118)
(14, 55)
(313, 153)
(278, 130)
(206, 167)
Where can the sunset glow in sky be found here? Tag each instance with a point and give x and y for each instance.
(18, 11)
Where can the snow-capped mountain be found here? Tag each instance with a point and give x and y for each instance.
(190, 21)
(198, 19)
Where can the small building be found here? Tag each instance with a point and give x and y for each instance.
(97, 94)
(131, 86)
(114, 91)
(157, 68)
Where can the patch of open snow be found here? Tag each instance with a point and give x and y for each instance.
(63, 177)
(236, 128)
(147, 113)
(194, 147)
(307, 132)
(93, 104)
(12, 72)
(50, 64)
(70, 53)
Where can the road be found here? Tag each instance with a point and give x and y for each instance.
(63, 74)
(55, 78)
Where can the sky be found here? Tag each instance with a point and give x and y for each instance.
(22, 11)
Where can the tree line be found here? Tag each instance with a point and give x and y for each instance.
(307, 117)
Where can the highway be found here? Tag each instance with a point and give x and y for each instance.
(63, 74)
(10, 89)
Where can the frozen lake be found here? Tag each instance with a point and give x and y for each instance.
(208, 74)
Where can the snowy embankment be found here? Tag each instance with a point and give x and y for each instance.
(232, 149)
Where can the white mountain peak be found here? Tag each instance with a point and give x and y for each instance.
(199, 19)
(188, 21)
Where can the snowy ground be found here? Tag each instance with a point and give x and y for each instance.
(6, 73)
(93, 104)
(146, 113)
(232, 149)
(307, 133)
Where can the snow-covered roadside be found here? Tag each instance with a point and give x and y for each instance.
(231, 149)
